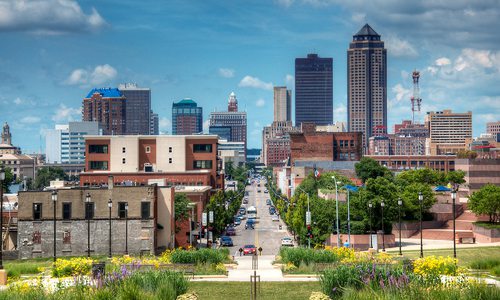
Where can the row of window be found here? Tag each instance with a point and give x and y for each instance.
(197, 148)
(103, 165)
(89, 210)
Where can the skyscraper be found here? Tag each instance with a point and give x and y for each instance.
(282, 104)
(107, 106)
(138, 108)
(367, 84)
(313, 90)
(187, 117)
(155, 124)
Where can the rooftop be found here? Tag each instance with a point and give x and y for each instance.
(186, 101)
(367, 31)
(106, 92)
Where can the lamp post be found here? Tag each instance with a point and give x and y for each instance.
(370, 205)
(110, 205)
(348, 218)
(308, 216)
(400, 203)
(454, 197)
(2, 178)
(126, 228)
(421, 200)
(54, 202)
(382, 204)
(337, 209)
(88, 198)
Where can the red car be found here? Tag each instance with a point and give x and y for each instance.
(230, 231)
(249, 249)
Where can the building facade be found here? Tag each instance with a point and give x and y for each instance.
(108, 107)
(493, 128)
(367, 84)
(313, 90)
(449, 132)
(22, 166)
(282, 104)
(66, 143)
(276, 143)
(479, 172)
(398, 163)
(233, 152)
(138, 109)
(393, 144)
(187, 117)
(154, 128)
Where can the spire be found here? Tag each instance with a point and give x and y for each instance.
(365, 32)
(232, 104)
(6, 136)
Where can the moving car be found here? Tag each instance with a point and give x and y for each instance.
(226, 241)
(268, 201)
(250, 224)
(231, 231)
(249, 249)
(266, 191)
(286, 241)
(275, 218)
(237, 221)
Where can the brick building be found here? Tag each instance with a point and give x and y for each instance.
(405, 162)
(393, 144)
(108, 107)
(479, 172)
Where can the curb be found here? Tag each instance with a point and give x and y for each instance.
(300, 276)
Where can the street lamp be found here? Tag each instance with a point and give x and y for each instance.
(54, 201)
(400, 203)
(382, 204)
(348, 218)
(337, 209)
(2, 178)
(421, 200)
(308, 216)
(370, 205)
(454, 197)
(110, 205)
(126, 228)
(88, 198)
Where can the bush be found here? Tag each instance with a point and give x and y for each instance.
(72, 267)
(485, 263)
(435, 266)
(201, 256)
(298, 256)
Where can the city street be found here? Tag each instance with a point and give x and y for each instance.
(266, 233)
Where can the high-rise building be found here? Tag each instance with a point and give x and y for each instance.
(313, 90)
(155, 124)
(493, 127)
(108, 107)
(230, 125)
(66, 143)
(138, 108)
(187, 117)
(282, 104)
(367, 84)
(449, 132)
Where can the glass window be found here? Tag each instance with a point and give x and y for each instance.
(66, 211)
(122, 212)
(37, 211)
(98, 148)
(202, 148)
(123, 161)
(123, 150)
(98, 165)
(89, 210)
(145, 210)
(170, 160)
(202, 164)
(148, 149)
(169, 149)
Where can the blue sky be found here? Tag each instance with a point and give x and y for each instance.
(54, 51)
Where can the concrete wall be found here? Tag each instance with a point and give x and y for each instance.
(165, 213)
(131, 145)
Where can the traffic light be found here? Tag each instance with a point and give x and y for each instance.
(309, 231)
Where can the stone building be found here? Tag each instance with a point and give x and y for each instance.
(22, 165)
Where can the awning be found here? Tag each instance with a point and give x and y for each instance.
(441, 188)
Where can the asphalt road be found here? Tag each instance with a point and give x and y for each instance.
(266, 233)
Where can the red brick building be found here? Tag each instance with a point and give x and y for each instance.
(108, 107)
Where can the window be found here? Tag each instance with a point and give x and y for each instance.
(89, 210)
(123, 150)
(66, 211)
(98, 148)
(148, 149)
(170, 160)
(202, 164)
(123, 160)
(169, 149)
(122, 212)
(67, 237)
(37, 211)
(98, 165)
(203, 148)
(145, 210)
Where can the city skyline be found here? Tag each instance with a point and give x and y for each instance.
(51, 68)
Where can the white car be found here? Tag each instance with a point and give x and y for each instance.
(286, 241)
(275, 218)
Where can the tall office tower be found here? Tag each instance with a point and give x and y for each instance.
(66, 143)
(138, 108)
(367, 84)
(108, 107)
(155, 124)
(449, 132)
(313, 90)
(187, 117)
(282, 104)
(230, 125)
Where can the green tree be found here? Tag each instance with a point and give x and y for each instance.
(9, 179)
(229, 168)
(466, 154)
(370, 168)
(486, 201)
(425, 175)
(181, 208)
(455, 177)
(45, 174)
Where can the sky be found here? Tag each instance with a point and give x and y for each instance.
(52, 52)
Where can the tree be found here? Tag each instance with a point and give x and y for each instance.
(370, 168)
(45, 174)
(229, 168)
(181, 208)
(9, 179)
(466, 154)
(425, 175)
(455, 177)
(486, 201)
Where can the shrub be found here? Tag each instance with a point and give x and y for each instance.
(485, 263)
(201, 256)
(72, 267)
(435, 266)
(298, 256)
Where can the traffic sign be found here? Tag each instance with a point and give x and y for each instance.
(204, 219)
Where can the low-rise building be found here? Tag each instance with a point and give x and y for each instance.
(479, 172)
(22, 166)
(398, 163)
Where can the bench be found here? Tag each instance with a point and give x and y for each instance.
(465, 238)
(184, 268)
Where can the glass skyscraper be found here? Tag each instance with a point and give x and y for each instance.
(187, 117)
(137, 110)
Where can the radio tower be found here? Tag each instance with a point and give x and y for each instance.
(416, 101)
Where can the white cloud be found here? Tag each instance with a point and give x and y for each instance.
(18, 101)
(260, 103)
(67, 114)
(206, 125)
(443, 61)
(100, 75)
(48, 17)
(30, 120)
(289, 80)
(399, 47)
(254, 82)
(226, 73)
(165, 125)
(400, 93)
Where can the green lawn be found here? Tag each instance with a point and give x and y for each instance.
(241, 290)
(464, 255)
(16, 268)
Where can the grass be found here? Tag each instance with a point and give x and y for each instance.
(16, 268)
(488, 225)
(465, 256)
(241, 290)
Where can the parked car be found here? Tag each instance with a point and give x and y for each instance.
(286, 241)
(268, 201)
(226, 241)
(275, 218)
(242, 216)
(237, 221)
(266, 191)
(231, 231)
(249, 249)
(272, 210)
(245, 201)
(258, 191)
(243, 210)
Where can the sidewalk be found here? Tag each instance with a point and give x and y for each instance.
(414, 244)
